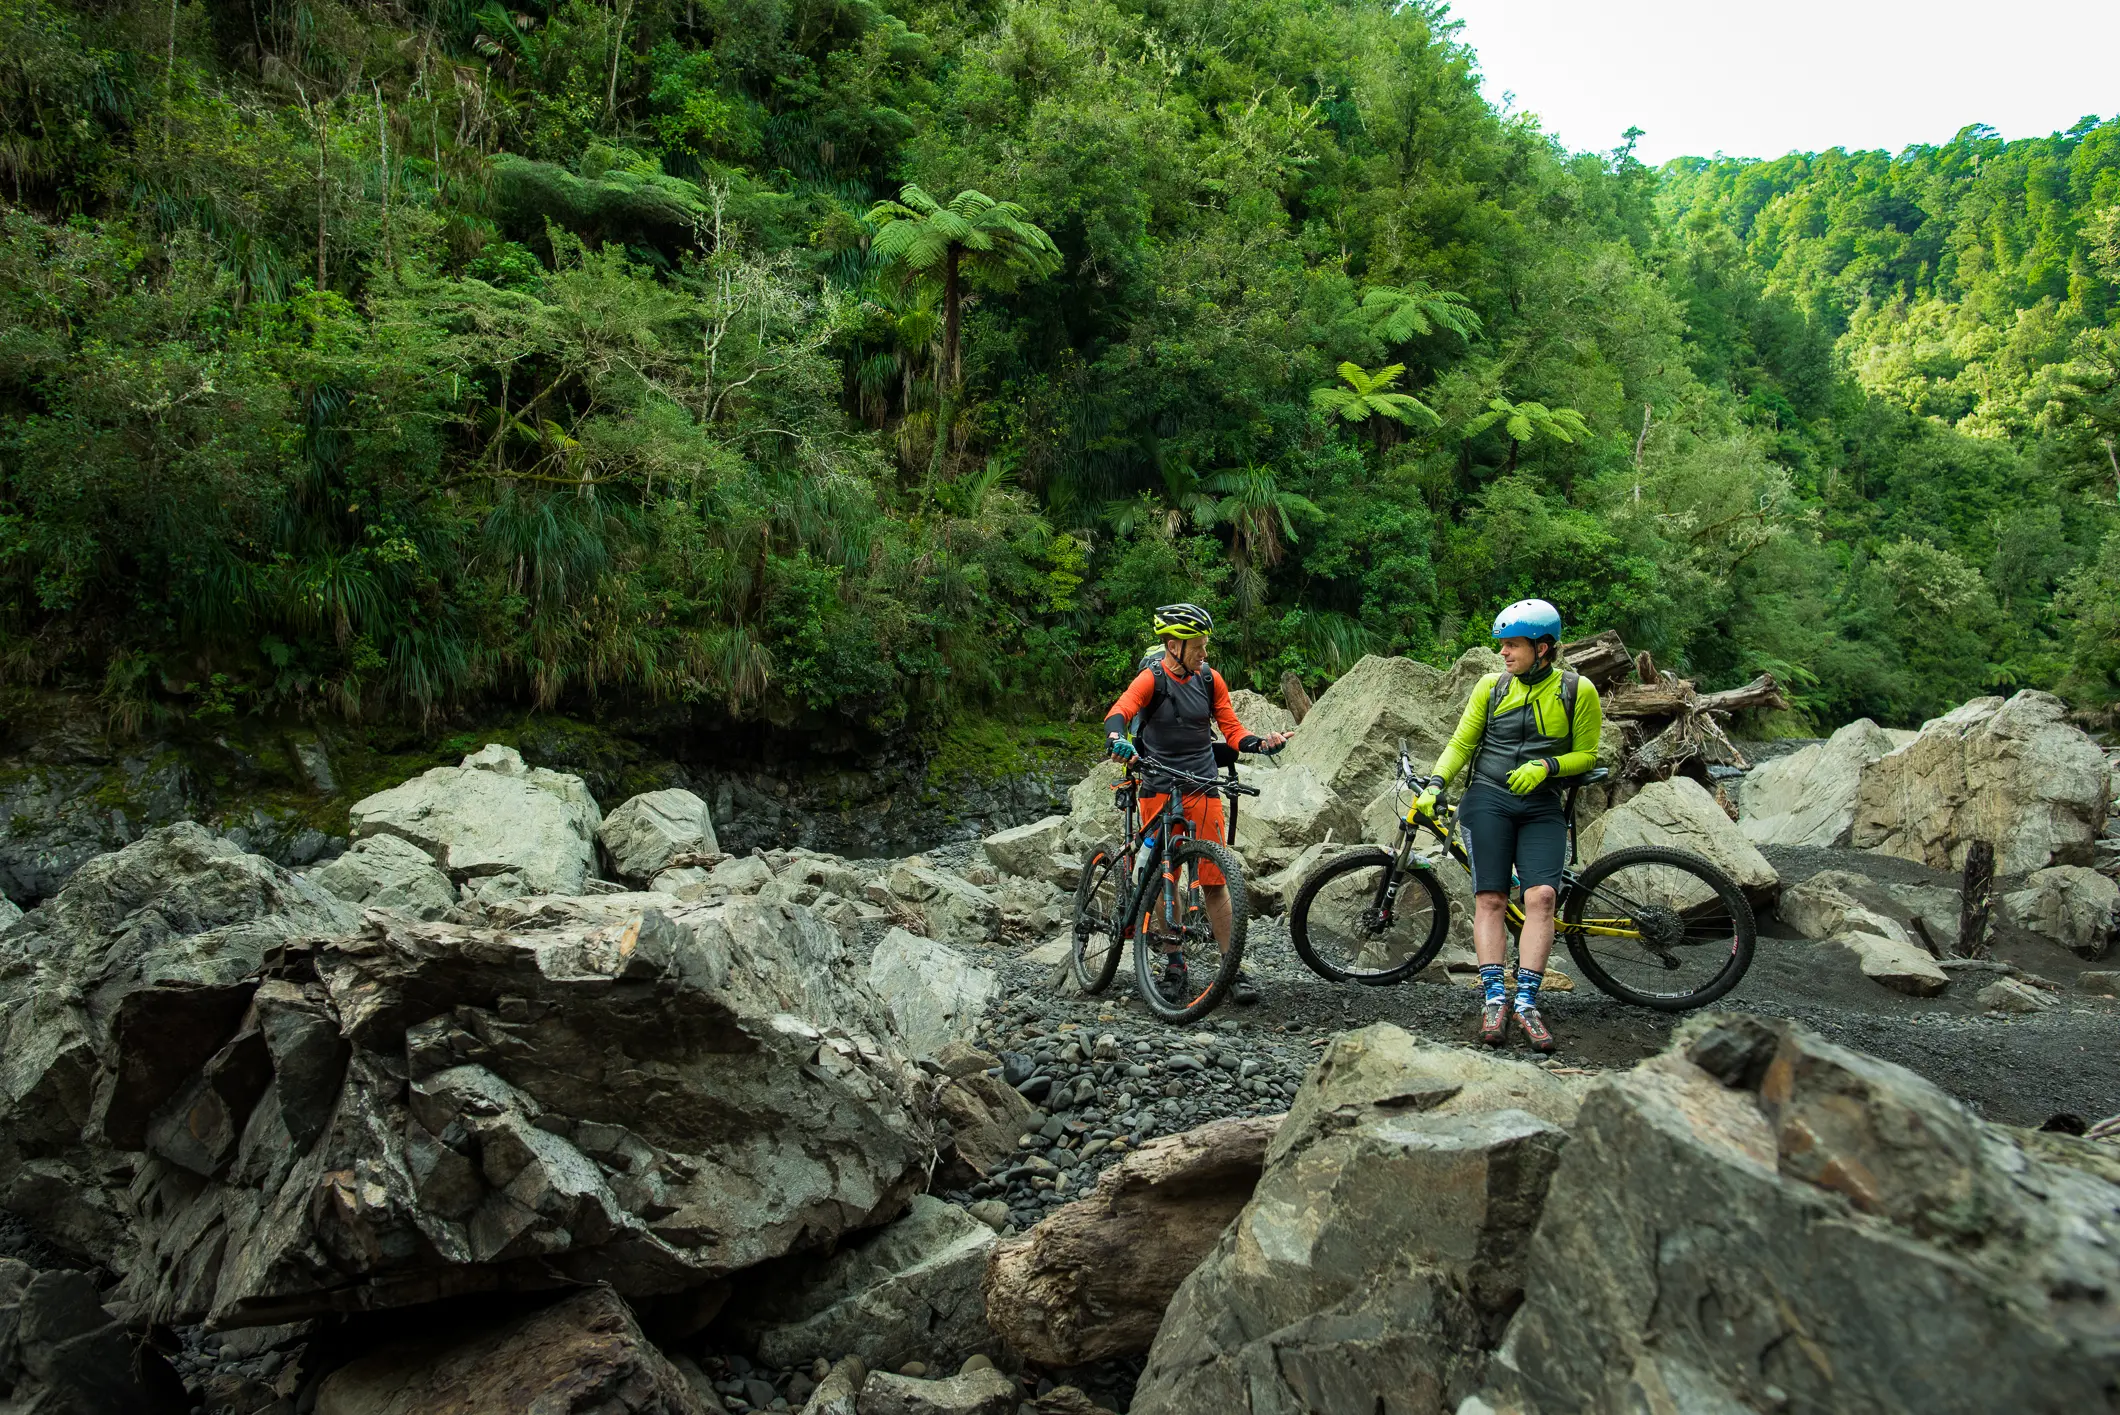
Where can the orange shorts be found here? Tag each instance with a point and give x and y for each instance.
(1204, 810)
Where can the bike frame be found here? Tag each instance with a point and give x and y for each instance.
(1442, 826)
(1173, 825)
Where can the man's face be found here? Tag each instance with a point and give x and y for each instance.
(1189, 653)
(1520, 655)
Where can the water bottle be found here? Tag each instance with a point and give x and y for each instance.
(1142, 856)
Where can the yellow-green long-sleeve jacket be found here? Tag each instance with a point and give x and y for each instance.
(1531, 722)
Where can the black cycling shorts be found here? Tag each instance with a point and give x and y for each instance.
(1504, 831)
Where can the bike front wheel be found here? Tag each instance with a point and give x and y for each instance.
(1659, 927)
(1182, 973)
(1357, 920)
(1099, 896)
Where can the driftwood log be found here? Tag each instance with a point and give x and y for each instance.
(1668, 725)
(1292, 694)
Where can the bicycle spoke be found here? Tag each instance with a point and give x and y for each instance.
(1349, 930)
(1656, 930)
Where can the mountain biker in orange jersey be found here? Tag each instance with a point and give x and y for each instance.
(1181, 701)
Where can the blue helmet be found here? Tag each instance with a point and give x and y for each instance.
(1532, 619)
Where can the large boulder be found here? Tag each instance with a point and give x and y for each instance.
(1761, 1220)
(385, 872)
(934, 996)
(1828, 906)
(1350, 740)
(492, 823)
(1093, 1279)
(112, 993)
(2015, 773)
(1680, 813)
(623, 1089)
(584, 1355)
(1381, 1253)
(2075, 907)
(951, 910)
(1296, 807)
(650, 831)
(1808, 796)
(908, 1292)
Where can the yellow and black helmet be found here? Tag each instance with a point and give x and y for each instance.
(1183, 621)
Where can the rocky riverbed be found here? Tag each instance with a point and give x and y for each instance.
(520, 1094)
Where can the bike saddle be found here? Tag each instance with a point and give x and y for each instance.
(1590, 777)
(1225, 755)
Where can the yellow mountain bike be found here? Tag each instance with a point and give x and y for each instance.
(1650, 925)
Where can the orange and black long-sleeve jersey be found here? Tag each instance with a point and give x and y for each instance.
(1180, 733)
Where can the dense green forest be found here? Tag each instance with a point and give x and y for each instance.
(841, 360)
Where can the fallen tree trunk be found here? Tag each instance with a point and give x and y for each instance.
(1601, 658)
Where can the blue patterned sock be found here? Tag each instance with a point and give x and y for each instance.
(1527, 981)
(1491, 984)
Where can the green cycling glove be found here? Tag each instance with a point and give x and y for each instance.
(1425, 806)
(1527, 778)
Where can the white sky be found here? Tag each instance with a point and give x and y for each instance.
(1752, 80)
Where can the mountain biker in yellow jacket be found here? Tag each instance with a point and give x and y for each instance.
(1521, 733)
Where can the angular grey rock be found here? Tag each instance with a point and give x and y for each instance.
(9, 912)
(1091, 818)
(1762, 1220)
(1270, 895)
(2014, 773)
(933, 994)
(1260, 713)
(1034, 905)
(623, 1089)
(1350, 740)
(113, 993)
(62, 1351)
(1296, 807)
(1892, 962)
(385, 872)
(1026, 850)
(78, 797)
(1680, 813)
(2018, 999)
(986, 1392)
(954, 912)
(746, 874)
(2075, 907)
(1093, 1279)
(910, 1291)
(648, 831)
(584, 1355)
(1808, 796)
(499, 827)
(1384, 1246)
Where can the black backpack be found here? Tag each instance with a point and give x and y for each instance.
(1152, 662)
(1571, 684)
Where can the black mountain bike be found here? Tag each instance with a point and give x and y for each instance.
(1653, 926)
(1146, 890)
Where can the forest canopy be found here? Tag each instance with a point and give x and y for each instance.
(834, 360)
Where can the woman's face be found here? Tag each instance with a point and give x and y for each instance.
(1520, 655)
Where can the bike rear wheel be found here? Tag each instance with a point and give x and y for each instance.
(1098, 943)
(1347, 935)
(1205, 971)
(1659, 927)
